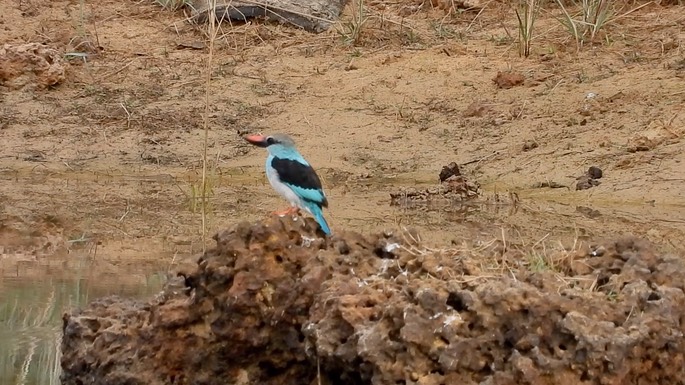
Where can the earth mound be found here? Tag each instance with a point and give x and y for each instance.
(275, 303)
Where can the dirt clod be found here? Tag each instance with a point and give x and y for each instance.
(530, 145)
(508, 79)
(30, 64)
(274, 304)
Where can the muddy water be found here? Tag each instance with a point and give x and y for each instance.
(72, 237)
(30, 319)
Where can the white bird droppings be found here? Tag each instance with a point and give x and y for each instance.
(390, 247)
(307, 242)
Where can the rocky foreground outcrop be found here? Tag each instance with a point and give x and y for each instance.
(274, 303)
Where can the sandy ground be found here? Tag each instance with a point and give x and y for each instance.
(106, 161)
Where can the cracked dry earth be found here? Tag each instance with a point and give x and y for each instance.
(273, 303)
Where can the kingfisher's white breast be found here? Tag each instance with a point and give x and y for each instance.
(282, 188)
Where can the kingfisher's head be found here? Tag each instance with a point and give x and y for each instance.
(279, 145)
(271, 140)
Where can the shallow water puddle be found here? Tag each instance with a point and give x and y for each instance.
(31, 318)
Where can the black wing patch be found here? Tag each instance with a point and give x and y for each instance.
(299, 175)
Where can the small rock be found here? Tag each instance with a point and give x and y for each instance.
(449, 170)
(594, 172)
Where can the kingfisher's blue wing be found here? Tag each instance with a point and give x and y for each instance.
(311, 195)
(301, 178)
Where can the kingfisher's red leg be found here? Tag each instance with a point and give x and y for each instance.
(282, 212)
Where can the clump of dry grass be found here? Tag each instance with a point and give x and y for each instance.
(593, 16)
(502, 258)
(352, 30)
(526, 14)
(369, 27)
(199, 192)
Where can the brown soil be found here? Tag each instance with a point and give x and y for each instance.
(274, 303)
(108, 146)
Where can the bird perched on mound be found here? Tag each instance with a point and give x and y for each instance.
(292, 177)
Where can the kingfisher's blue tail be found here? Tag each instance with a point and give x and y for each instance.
(318, 215)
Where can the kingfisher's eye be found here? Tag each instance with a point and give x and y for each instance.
(270, 141)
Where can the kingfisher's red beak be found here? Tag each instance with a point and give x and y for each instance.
(257, 140)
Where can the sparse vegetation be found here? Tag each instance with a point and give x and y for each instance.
(526, 14)
(352, 30)
(201, 190)
(39, 361)
(511, 258)
(592, 18)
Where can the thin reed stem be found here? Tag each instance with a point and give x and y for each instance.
(212, 35)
